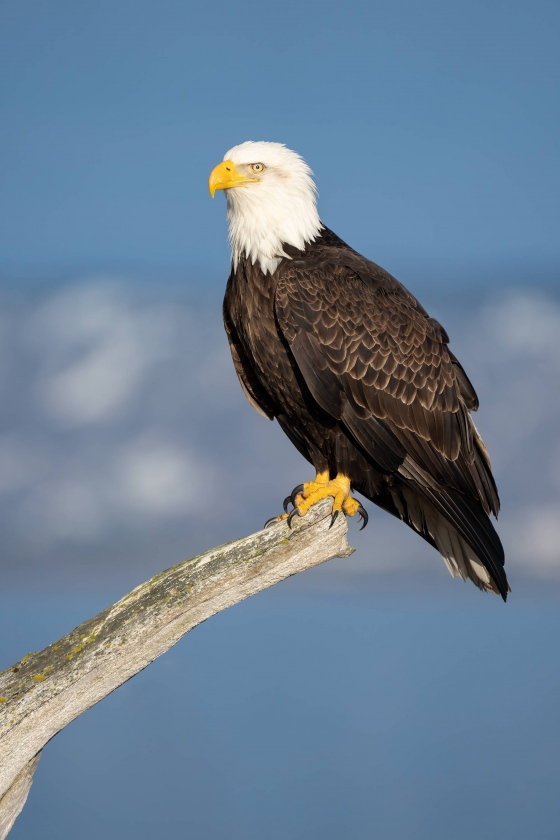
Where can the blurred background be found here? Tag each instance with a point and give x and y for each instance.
(372, 697)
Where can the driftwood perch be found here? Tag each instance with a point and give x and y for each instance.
(45, 691)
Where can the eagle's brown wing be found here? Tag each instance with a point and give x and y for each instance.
(373, 359)
(249, 382)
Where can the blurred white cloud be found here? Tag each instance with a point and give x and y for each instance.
(156, 478)
(69, 510)
(533, 541)
(96, 349)
(526, 323)
(514, 344)
(21, 465)
(121, 418)
(143, 482)
(555, 468)
(96, 387)
(6, 343)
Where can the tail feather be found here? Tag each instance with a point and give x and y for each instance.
(454, 523)
(465, 517)
(458, 555)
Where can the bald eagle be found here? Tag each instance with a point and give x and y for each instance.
(355, 371)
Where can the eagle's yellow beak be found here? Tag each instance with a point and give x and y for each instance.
(225, 176)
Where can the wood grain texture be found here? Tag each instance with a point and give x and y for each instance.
(46, 690)
(15, 797)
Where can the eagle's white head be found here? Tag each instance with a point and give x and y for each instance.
(271, 200)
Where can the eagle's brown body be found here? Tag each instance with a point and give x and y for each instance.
(361, 380)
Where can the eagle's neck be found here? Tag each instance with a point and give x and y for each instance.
(261, 221)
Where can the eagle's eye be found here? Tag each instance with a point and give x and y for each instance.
(257, 167)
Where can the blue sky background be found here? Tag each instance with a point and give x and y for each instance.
(374, 696)
(432, 127)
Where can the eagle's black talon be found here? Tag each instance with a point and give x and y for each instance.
(364, 517)
(291, 499)
(295, 492)
(270, 522)
(291, 516)
(333, 518)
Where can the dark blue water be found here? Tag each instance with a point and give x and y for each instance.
(307, 715)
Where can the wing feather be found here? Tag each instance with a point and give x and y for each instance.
(250, 384)
(374, 359)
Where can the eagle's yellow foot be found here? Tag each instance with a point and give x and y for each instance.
(321, 479)
(306, 495)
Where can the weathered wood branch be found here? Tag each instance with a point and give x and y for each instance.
(45, 691)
